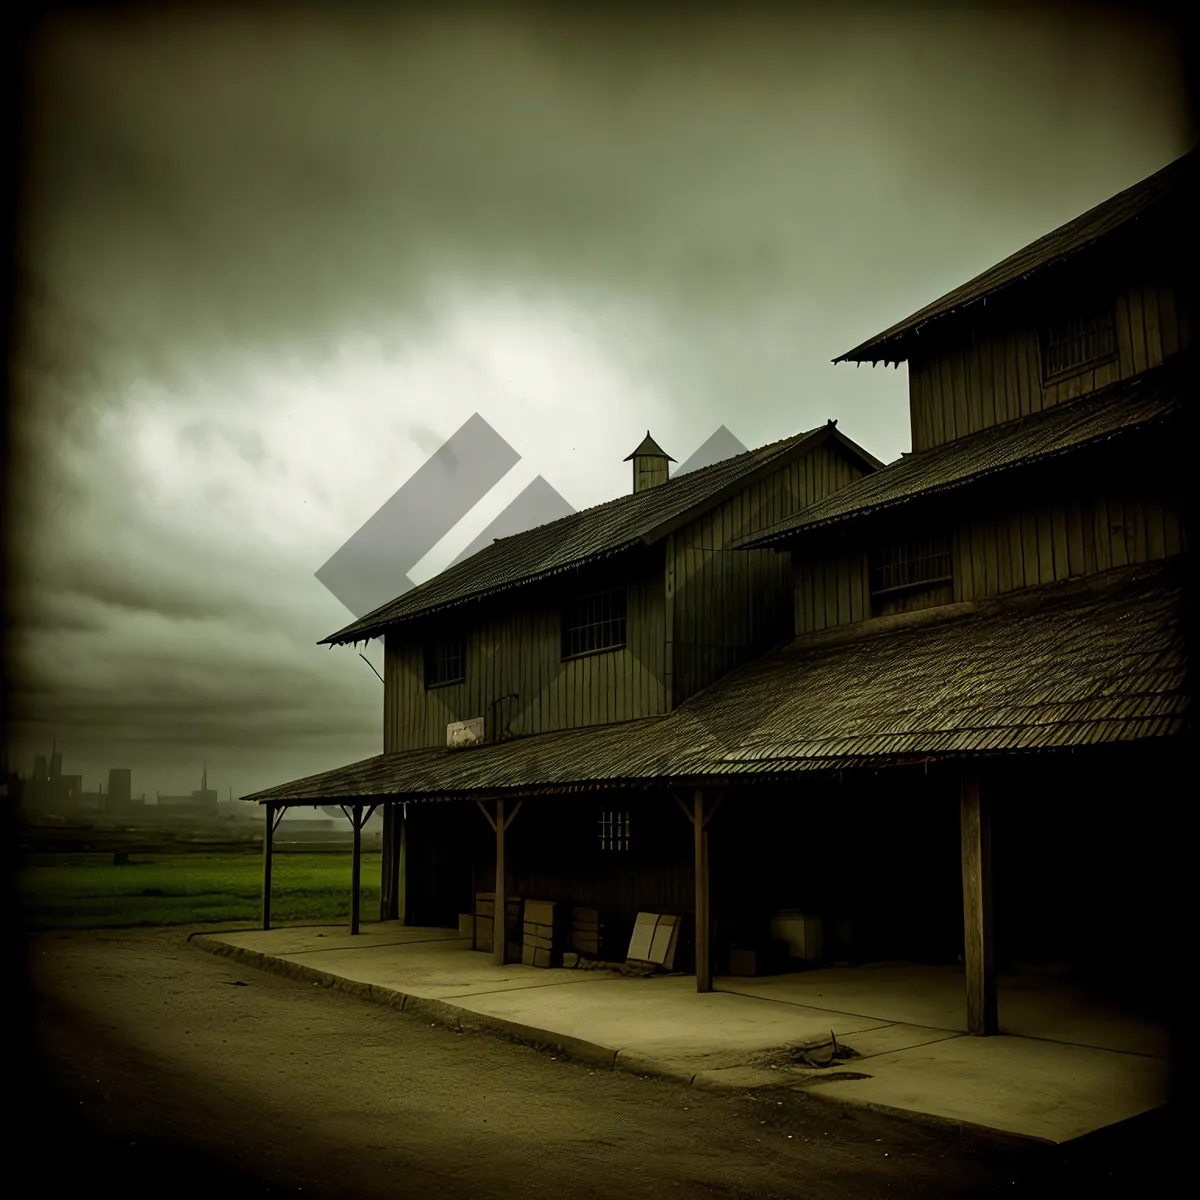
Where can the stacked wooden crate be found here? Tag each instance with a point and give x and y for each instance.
(544, 933)
(485, 913)
(587, 934)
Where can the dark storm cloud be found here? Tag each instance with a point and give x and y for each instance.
(254, 179)
(730, 200)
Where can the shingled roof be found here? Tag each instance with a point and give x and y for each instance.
(1154, 396)
(1136, 203)
(1099, 661)
(592, 534)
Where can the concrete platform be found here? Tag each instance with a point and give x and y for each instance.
(1064, 1066)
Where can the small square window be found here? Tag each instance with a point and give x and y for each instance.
(614, 830)
(445, 662)
(911, 565)
(1077, 342)
(593, 623)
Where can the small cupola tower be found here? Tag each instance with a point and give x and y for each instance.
(649, 464)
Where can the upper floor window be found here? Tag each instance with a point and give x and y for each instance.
(593, 623)
(445, 662)
(614, 830)
(911, 566)
(1078, 342)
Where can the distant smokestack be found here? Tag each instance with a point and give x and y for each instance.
(119, 788)
(649, 464)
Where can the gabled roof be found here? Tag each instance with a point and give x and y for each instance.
(1121, 407)
(593, 534)
(1133, 204)
(1100, 661)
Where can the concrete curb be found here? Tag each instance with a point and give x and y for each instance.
(452, 1016)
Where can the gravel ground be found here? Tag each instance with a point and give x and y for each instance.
(163, 1065)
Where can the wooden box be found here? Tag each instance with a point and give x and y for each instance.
(586, 932)
(485, 908)
(544, 933)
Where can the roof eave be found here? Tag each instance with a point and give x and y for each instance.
(357, 632)
(798, 532)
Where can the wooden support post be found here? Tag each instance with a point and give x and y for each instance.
(703, 920)
(356, 868)
(268, 837)
(978, 952)
(500, 911)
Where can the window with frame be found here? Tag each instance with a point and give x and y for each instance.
(1077, 342)
(911, 565)
(594, 623)
(614, 830)
(445, 662)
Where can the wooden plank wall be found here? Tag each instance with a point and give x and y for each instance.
(995, 375)
(730, 605)
(998, 552)
(1053, 540)
(516, 647)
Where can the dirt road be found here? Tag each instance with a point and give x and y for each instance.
(166, 1066)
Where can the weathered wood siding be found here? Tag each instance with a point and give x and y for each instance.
(1045, 541)
(729, 605)
(515, 647)
(1003, 551)
(993, 374)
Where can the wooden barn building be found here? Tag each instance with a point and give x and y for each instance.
(937, 704)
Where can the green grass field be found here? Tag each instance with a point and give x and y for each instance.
(86, 891)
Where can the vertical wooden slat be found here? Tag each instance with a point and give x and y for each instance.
(1125, 355)
(1135, 530)
(1029, 548)
(1102, 539)
(1152, 326)
(1155, 538)
(268, 847)
(669, 633)
(1012, 382)
(858, 610)
(1076, 564)
(978, 955)
(843, 605)
(1173, 539)
(1118, 554)
(1168, 321)
(933, 392)
(973, 384)
(1058, 532)
(1045, 545)
(916, 407)
(1029, 398)
(1137, 329)
(1004, 558)
(991, 578)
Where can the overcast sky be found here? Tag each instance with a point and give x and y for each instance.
(271, 264)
